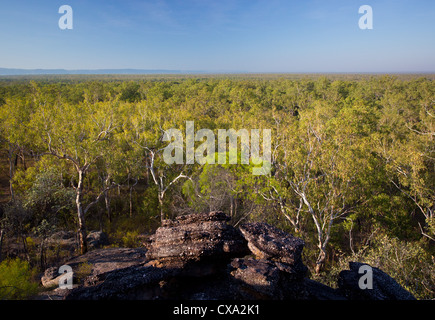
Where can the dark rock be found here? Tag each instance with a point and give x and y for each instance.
(262, 279)
(384, 286)
(50, 278)
(97, 239)
(152, 283)
(109, 259)
(67, 240)
(201, 257)
(131, 283)
(191, 268)
(100, 261)
(318, 291)
(187, 257)
(268, 242)
(62, 235)
(259, 279)
(196, 218)
(197, 236)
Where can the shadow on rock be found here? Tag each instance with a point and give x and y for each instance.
(201, 257)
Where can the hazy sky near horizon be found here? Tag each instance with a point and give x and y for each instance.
(220, 35)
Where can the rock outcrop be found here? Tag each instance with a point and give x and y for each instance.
(130, 283)
(96, 239)
(94, 263)
(383, 287)
(186, 258)
(268, 242)
(67, 240)
(262, 279)
(197, 237)
(277, 272)
(201, 256)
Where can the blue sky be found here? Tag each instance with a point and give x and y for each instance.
(220, 36)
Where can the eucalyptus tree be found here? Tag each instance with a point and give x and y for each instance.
(79, 134)
(152, 118)
(408, 146)
(15, 136)
(318, 163)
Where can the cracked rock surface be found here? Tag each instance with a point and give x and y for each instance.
(202, 257)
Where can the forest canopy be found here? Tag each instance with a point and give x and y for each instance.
(352, 162)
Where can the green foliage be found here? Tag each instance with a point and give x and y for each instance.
(409, 263)
(16, 280)
(130, 239)
(352, 155)
(48, 193)
(130, 92)
(16, 219)
(83, 270)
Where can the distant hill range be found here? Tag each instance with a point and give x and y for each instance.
(16, 72)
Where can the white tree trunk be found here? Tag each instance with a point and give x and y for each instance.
(81, 214)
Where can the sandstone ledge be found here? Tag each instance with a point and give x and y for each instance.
(200, 256)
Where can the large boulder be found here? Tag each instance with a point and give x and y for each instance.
(266, 280)
(51, 277)
(270, 280)
(268, 242)
(317, 291)
(147, 282)
(197, 237)
(131, 283)
(95, 263)
(278, 270)
(384, 287)
(190, 257)
(109, 259)
(200, 256)
(97, 239)
(186, 258)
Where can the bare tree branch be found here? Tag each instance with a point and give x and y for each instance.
(99, 196)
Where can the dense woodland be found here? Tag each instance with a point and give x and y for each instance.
(353, 163)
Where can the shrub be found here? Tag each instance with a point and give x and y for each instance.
(407, 262)
(16, 280)
(130, 239)
(83, 270)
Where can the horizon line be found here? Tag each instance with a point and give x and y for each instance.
(139, 71)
